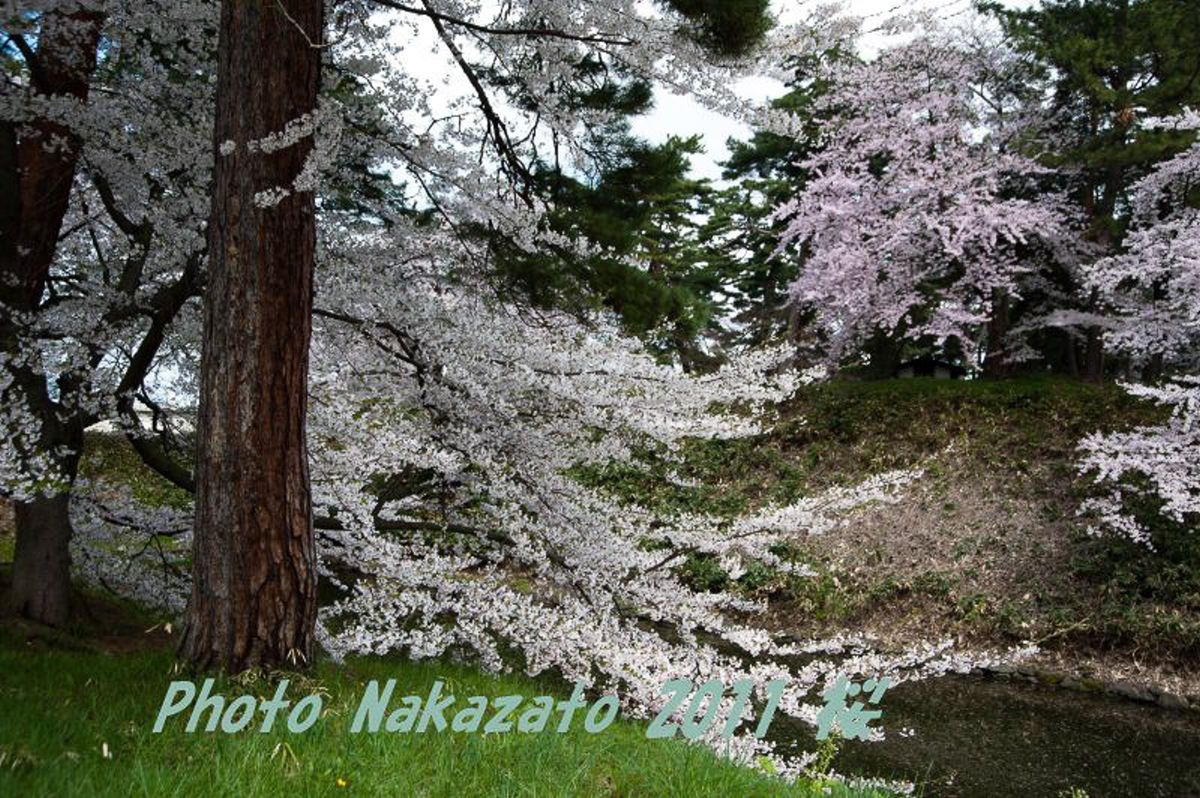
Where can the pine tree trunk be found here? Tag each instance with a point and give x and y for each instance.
(254, 596)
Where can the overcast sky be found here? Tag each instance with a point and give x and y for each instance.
(423, 57)
(674, 114)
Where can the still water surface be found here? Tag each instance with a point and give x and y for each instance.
(993, 738)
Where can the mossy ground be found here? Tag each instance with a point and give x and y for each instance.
(109, 457)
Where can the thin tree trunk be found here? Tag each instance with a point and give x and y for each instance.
(883, 352)
(995, 364)
(1072, 356)
(1152, 371)
(254, 592)
(1093, 364)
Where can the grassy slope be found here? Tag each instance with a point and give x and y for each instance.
(985, 546)
(109, 456)
(63, 700)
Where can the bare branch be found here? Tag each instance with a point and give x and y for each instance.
(547, 33)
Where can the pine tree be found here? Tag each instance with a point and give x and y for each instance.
(741, 234)
(639, 210)
(253, 599)
(254, 572)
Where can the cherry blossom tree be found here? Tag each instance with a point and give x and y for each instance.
(1153, 287)
(916, 216)
(101, 245)
(135, 224)
(39, 164)
(445, 427)
(254, 587)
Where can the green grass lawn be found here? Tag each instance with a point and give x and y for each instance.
(60, 709)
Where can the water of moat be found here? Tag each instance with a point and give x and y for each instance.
(979, 737)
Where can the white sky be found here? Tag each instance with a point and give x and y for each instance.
(675, 114)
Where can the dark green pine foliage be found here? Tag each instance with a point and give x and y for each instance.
(637, 205)
(636, 201)
(1111, 63)
(360, 188)
(725, 27)
(641, 210)
(740, 234)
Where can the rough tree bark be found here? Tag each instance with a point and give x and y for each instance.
(254, 596)
(35, 189)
